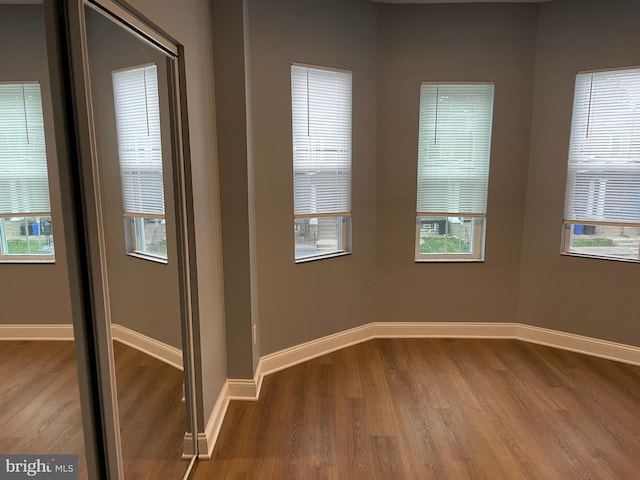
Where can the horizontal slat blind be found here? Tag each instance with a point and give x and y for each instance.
(24, 185)
(321, 118)
(454, 146)
(137, 110)
(603, 175)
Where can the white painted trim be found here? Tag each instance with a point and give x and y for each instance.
(207, 440)
(36, 332)
(580, 344)
(289, 357)
(150, 346)
(245, 389)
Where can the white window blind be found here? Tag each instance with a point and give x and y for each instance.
(603, 177)
(24, 185)
(321, 117)
(137, 111)
(454, 146)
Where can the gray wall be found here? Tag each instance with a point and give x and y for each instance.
(235, 183)
(579, 295)
(452, 43)
(23, 58)
(143, 295)
(301, 302)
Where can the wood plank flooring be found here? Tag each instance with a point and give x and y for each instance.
(39, 400)
(152, 416)
(437, 409)
(40, 407)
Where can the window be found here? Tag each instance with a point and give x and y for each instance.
(454, 146)
(25, 212)
(137, 109)
(602, 204)
(321, 123)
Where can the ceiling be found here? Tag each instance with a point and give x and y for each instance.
(461, 1)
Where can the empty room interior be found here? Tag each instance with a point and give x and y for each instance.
(332, 239)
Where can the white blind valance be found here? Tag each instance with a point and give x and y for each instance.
(137, 111)
(24, 184)
(603, 174)
(454, 147)
(321, 124)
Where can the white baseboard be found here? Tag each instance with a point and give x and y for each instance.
(150, 346)
(36, 332)
(579, 344)
(207, 439)
(249, 389)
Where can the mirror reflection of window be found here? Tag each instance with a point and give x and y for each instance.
(137, 110)
(25, 211)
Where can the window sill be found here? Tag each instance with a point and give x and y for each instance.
(23, 260)
(149, 258)
(600, 257)
(321, 257)
(449, 260)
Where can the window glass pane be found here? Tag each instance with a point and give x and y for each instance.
(148, 236)
(615, 241)
(321, 236)
(26, 236)
(446, 235)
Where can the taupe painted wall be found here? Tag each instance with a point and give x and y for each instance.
(301, 302)
(579, 295)
(235, 184)
(190, 23)
(143, 295)
(23, 58)
(452, 43)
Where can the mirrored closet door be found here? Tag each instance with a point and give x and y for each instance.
(124, 107)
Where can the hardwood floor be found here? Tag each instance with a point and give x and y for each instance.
(152, 416)
(40, 407)
(39, 400)
(437, 409)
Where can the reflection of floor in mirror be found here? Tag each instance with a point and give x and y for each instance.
(39, 400)
(40, 407)
(152, 415)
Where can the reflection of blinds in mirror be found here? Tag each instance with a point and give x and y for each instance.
(24, 185)
(137, 109)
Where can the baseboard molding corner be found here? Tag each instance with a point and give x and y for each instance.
(246, 389)
(150, 346)
(63, 332)
(289, 357)
(207, 439)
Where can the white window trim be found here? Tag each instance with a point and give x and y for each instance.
(28, 258)
(568, 224)
(478, 246)
(344, 218)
